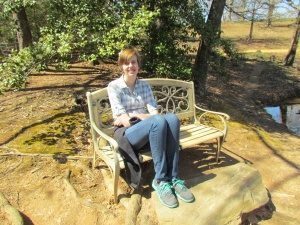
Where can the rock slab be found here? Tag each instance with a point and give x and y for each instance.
(221, 198)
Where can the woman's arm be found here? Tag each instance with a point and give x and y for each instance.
(124, 118)
(143, 116)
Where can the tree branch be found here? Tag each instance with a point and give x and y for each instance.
(15, 215)
(85, 202)
(292, 4)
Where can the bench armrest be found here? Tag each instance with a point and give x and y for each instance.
(113, 144)
(221, 116)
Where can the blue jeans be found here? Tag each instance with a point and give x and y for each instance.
(162, 132)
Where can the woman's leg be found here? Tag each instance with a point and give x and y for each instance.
(172, 146)
(161, 132)
(178, 185)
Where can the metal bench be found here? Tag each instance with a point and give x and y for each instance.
(172, 96)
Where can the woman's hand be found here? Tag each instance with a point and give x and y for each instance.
(117, 123)
(122, 120)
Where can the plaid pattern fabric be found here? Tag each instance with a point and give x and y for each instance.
(122, 100)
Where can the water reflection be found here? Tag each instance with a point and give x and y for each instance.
(286, 114)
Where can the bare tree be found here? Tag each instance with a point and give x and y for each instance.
(271, 4)
(253, 11)
(271, 7)
(240, 9)
(290, 57)
(243, 9)
(255, 7)
(231, 2)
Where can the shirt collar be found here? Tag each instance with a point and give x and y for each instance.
(123, 84)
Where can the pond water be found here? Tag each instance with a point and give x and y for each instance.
(287, 114)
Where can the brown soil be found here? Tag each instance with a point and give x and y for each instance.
(38, 187)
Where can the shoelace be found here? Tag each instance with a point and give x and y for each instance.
(165, 188)
(180, 183)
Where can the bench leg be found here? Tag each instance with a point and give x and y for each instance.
(94, 160)
(116, 183)
(218, 149)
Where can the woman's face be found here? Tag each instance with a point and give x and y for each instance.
(131, 68)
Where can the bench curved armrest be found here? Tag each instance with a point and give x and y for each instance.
(222, 116)
(112, 141)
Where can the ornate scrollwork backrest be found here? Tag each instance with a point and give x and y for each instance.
(104, 113)
(171, 99)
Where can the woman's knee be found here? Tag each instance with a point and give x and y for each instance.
(159, 119)
(172, 118)
(163, 120)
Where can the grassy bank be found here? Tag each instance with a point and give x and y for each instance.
(270, 41)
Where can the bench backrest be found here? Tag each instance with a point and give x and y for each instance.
(172, 96)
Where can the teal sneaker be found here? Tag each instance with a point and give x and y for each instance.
(165, 193)
(182, 191)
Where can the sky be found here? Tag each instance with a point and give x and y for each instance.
(285, 10)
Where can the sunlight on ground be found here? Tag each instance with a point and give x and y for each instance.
(55, 137)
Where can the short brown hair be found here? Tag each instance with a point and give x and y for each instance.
(126, 54)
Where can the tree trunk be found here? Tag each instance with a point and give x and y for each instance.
(270, 13)
(290, 57)
(23, 29)
(243, 10)
(251, 26)
(230, 10)
(211, 33)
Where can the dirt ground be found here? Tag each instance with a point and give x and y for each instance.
(52, 189)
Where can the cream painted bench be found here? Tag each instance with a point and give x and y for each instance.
(172, 96)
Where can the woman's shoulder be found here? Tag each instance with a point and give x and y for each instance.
(116, 82)
(113, 82)
(143, 83)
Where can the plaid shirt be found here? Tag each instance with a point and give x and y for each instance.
(123, 100)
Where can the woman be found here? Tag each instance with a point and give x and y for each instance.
(133, 98)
